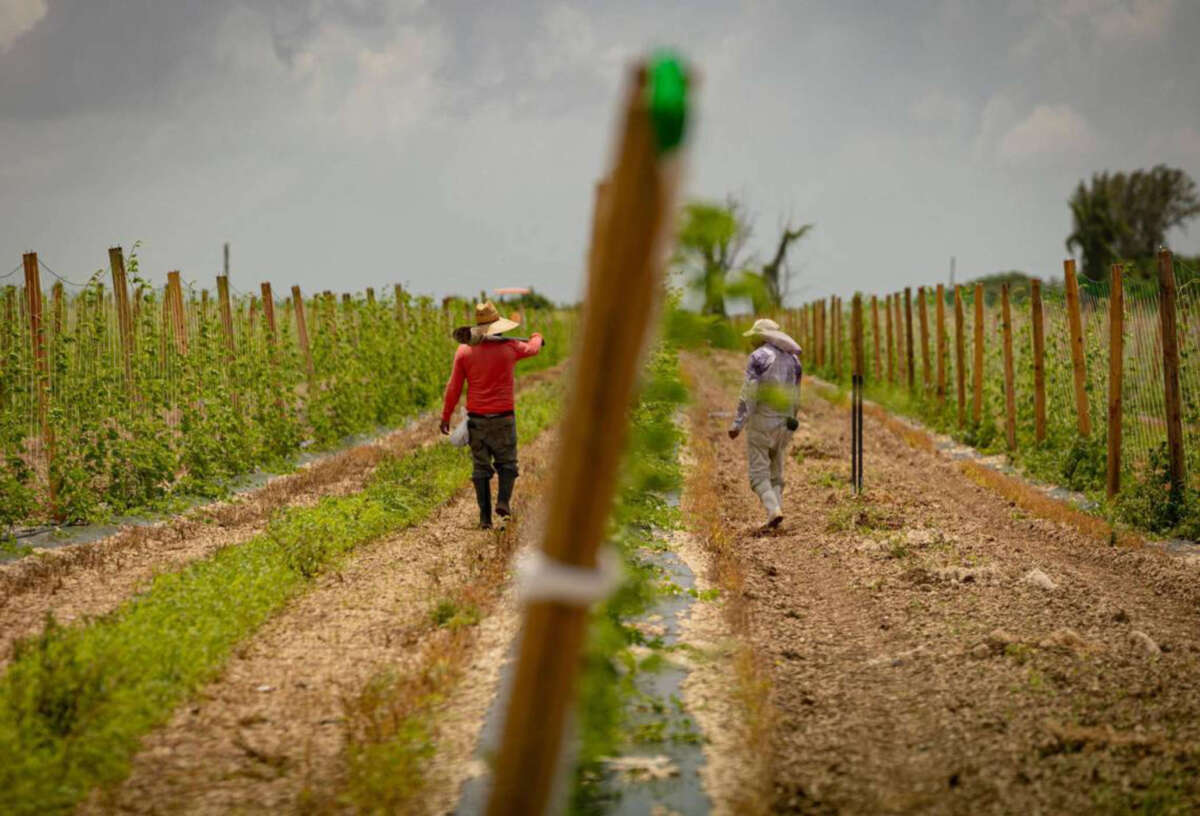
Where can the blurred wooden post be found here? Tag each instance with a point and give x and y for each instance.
(942, 349)
(56, 298)
(891, 346)
(116, 264)
(268, 302)
(875, 336)
(837, 337)
(824, 325)
(1078, 363)
(828, 344)
(818, 334)
(1010, 397)
(175, 301)
(1116, 372)
(977, 413)
(398, 291)
(623, 288)
(1039, 360)
(37, 344)
(898, 320)
(923, 314)
(226, 315)
(960, 355)
(911, 370)
(816, 329)
(1170, 347)
(302, 331)
(370, 296)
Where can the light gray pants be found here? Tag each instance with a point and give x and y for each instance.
(767, 439)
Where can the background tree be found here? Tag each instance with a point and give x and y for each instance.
(711, 240)
(1126, 216)
(776, 273)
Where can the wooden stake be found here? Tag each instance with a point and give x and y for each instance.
(56, 298)
(875, 337)
(960, 355)
(398, 291)
(623, 286)
(116, 265)
(302, 331)
(891, 346)
(926, 367)
(1170, 347)
(1116, 372)
(908, 340)
(1010, 397)
(226, 315)
(268, 301)
(37, 343)
(1039, 360)
(837, 339)
(1079, 365)
(977, 414)
(175, 299)
(942, 349)
(370, 296)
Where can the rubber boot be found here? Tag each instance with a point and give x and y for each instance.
(483, 495)
(504, 494)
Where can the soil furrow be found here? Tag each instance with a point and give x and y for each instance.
(919, 662)
(268, 734)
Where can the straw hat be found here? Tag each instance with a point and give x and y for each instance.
(767, 329)
(487, 315)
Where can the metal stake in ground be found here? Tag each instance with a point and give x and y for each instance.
(856, 388)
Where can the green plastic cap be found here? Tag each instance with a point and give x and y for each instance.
(666, 96)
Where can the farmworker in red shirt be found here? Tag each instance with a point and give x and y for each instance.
(487, 368)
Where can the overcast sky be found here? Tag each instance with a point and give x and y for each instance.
(453, 145)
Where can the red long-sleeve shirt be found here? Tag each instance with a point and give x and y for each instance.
(488, 371)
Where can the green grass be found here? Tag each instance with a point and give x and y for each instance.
(76, 700)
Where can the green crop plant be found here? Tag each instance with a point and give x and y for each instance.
(189, 421)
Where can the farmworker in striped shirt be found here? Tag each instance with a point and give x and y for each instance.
(485, 362)
(767, 411)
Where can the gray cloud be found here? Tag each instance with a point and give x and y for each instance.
(453, 145)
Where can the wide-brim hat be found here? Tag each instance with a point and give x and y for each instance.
(768, 329)
(486, 314)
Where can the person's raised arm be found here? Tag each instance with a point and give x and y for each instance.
(530, 347)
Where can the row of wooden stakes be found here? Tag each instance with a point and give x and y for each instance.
(825, 340)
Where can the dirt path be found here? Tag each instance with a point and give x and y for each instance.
(267, 735)
(916, 664)
(92, 578)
